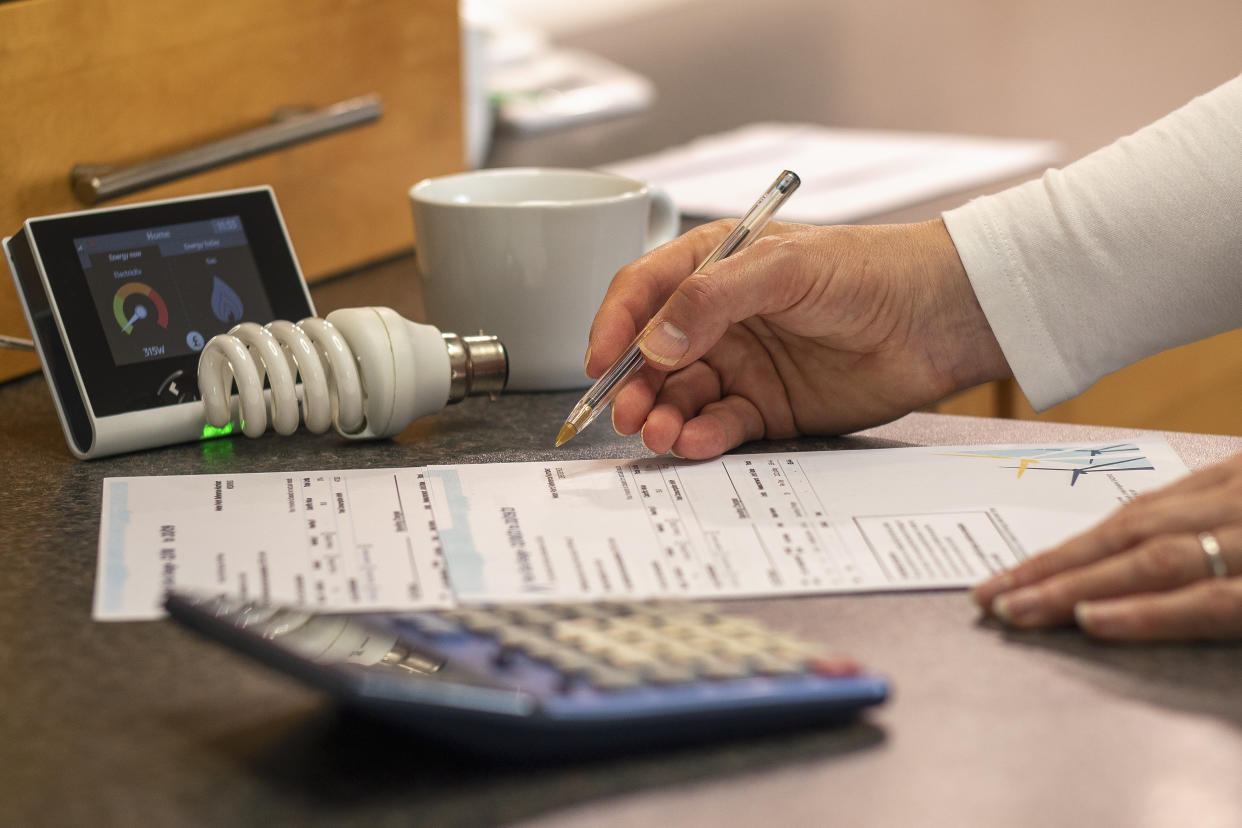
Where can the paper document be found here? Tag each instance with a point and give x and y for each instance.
(847, 174)
(361, 539)
(741, 525)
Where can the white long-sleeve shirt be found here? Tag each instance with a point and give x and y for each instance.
(1128, 251)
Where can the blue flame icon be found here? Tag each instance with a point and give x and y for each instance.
(225, 303)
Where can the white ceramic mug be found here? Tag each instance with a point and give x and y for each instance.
(527, 254)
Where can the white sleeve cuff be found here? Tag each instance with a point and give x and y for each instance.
(1001, 285)
(1132, 250)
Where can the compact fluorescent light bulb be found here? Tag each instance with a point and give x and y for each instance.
(367, 372)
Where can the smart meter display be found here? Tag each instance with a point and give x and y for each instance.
(121, 301)
(164, 291)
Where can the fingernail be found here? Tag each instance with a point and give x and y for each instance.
(1085, 615)
(977, 599)
(665, 343)
(586, 360)
(1015, 607)
(1097, 618)
(997, 584)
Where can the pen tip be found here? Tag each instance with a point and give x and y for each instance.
(567, 433)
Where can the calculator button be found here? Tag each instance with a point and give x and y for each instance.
(663, 672)
(620, 645)
(595, 645)
(526, 641)
(728, 650)
(792, 648)
(718, 668)
(682, 630)
(737, 624)
(571, 661)
(630, 632)
(538, 648)
(798, 650)
(629, 658)
(833, 667)
(575, 630)
(606, 678)
(771, 665)
(573, 612)
(623, 609)
(479, 621)
(532, 615)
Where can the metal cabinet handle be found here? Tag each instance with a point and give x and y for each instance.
(93, 183)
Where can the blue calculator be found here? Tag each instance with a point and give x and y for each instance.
(550, 680)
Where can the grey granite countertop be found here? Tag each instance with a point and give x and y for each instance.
(112, 723)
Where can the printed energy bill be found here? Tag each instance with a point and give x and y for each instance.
(741, 525)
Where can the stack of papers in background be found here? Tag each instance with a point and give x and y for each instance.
(558, 88)
(847, 174)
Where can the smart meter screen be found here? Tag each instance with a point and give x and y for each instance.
(164, 291)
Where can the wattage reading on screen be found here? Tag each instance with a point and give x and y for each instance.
(164, 291)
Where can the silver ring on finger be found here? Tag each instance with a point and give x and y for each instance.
(1212, 553)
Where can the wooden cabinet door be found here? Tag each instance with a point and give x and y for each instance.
(119, 81)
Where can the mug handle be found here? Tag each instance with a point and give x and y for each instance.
(663, 221)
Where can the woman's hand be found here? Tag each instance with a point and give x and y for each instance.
(1166, 566)
(810, 330)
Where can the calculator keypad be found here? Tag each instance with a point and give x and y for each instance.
(614, 646)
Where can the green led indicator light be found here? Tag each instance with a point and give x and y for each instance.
(210, 431)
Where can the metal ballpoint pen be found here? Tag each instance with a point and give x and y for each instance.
(751, 225)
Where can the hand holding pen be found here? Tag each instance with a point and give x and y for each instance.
(601, 394)
(813, 330)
